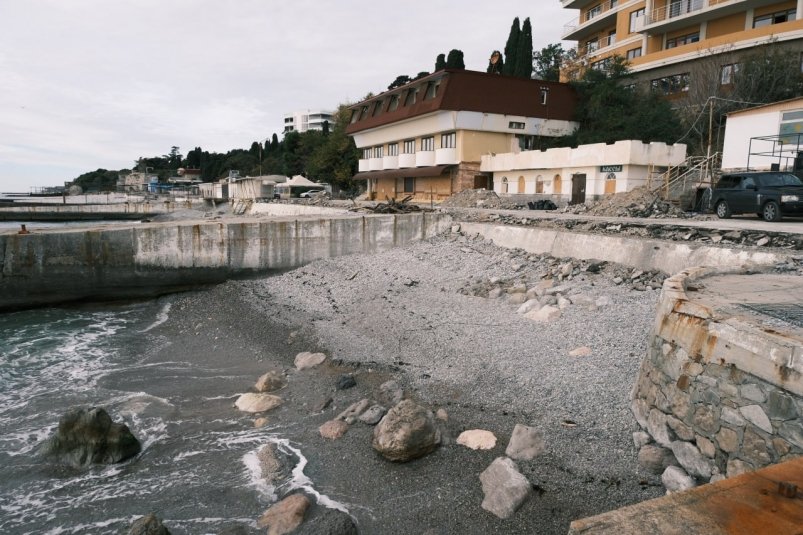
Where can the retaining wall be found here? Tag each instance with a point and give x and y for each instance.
(723, 394)
(81, 212)
(149, 259)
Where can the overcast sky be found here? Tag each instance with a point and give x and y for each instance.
(87, 84)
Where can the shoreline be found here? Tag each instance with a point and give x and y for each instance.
(474, 357)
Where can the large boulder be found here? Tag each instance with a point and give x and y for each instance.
(257, 402)
(329, 522)
(504, 487)
(88, 436)
(407, 432)
(284, 516)
(148, 525)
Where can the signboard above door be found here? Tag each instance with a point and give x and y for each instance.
(610, 168)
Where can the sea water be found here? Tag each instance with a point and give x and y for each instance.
(198, 467)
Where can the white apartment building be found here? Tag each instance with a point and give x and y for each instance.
(301, 121)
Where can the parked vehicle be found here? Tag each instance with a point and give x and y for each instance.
(770, 195)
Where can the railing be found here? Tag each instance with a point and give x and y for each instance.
(594, 47)
(696, 172)
(676, 8)
(590, 15)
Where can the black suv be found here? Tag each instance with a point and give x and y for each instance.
(770, 194)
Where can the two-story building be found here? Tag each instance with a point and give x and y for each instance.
(427, 138)
(670, 42)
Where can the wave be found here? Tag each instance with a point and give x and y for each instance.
(161, 317)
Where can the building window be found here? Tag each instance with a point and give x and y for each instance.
(432, 90)
(522, 185)
(544, 95)
(611, 39)
(592, 45)
(634, 19)
(378, 151)
(377, 108)
(448, 141)
(409, 99)
(602, 65)
(791, 127)
(634, 53)
(727, 73)
(366, 153)
(394, 102)
(526, 142)
(393, 149)
(504, 184)
(427, 144)
(409, 185)
(409, 146)
(683, 40)
(670, 85)
(594, 11)
(775, 18)
(515, 125)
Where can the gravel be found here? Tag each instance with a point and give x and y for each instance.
(408, 310)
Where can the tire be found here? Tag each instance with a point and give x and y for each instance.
(723, 210)
(771, 212)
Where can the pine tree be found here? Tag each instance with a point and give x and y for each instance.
(524, 54)
(512, 48)
(440, 62)
(455, 60)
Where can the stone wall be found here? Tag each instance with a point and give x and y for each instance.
(718, 396)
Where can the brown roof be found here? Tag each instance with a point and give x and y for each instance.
(461, 90)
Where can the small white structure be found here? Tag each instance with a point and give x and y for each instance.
(583, 173)
(760, 137)
(297, 185)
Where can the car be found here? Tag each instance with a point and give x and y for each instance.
(769, 194)
(310, 194)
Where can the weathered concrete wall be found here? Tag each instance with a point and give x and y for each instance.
(723, 394)
(285, 209)
(77, 212)
(54, 267)
(646, 254)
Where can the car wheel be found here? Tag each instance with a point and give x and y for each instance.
(771, 211)
(723, 210)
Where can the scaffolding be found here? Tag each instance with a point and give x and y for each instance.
(783, 152)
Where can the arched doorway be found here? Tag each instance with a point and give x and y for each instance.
(539, 184)
(557, 185)
(504, 185)
(521, 185)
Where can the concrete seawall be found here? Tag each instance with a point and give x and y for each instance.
(87, 212)
(150, 259)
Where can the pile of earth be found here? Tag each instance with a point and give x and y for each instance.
(478, 198)
(639, 202)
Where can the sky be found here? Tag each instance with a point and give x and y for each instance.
(88, 84)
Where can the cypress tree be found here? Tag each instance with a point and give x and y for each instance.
(455, 60)
(524, 53)
(440, 62)
(512, 48)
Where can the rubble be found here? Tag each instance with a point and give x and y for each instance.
(478, 198)
(638, 202)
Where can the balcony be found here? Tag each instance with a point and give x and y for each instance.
(375, 164)
(446, 156)
(595, 48)
(425, 158)
(594, 20)
(363, 166)
(406, 160)
(680, 13)
(390, 162)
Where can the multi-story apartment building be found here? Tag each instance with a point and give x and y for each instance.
(426, 138)
(301, 121)
(668, 41)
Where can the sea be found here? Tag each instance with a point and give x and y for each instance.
(199, 465)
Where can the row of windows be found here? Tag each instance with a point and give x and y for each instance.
(775, 18)
(392, 102)
(427, 144)
(683, 40)
(669, 85)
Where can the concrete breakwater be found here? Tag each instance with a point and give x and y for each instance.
(150, 259)
(87, 212)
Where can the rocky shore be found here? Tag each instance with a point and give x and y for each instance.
(486, 338)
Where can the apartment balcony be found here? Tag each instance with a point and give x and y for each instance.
(390, 162)
(678, 14)
(425, 158)
(363, 166)
(575, 4)
(597, 48)
(594, 21)
(446, 156)
(375, 164)
(406, 160)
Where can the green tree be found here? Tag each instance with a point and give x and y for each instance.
(420, 75)
(512, 48)
(400, 80)
(274, 143)
(546, 62)
(335, 161)
(524, 53)
(100, 180)
(440, 62)
(455, 60)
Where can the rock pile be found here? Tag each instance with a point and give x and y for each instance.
(639, 202)
(478, 198)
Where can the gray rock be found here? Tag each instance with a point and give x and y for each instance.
(656, 427)
(756, 416)
(407, 432)
(373, 415)
(655, 459)
(691, 459)
(528, 306)
(675, 479)
(781, 406)
(753, 393)
(728, 440)
(706, 417)
(754, 449)
(793, 432)
(526, 443)
(737, 467)
(504, 487)
(390, 393)
(89, 436)
(270, 382)
(706, 447)
(345, 381)
(148, 525)
(328, 522)
(545, 314)
(641, 411)
(234, 529)
(731, 416)
(683, 431)
(496, 293)
(640, 438)
(516, 299)
(274, 466)
(354, 410)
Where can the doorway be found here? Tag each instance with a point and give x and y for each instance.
(578, 188)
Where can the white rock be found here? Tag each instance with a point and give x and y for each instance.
(526, 443)
(529, 306)
(516, 299)
(603, 301)
(257, 402)
(307, 360)
(656, 427)
(504, 487)
(675, 479)
(691, 459)
(756, 416)
(583, 351)
(640, 438)
(563, 303)
(545, 314)
(477, 439)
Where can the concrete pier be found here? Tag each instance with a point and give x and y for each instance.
(150, 259)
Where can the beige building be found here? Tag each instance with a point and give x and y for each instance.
(668, 41)
(427, 137)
